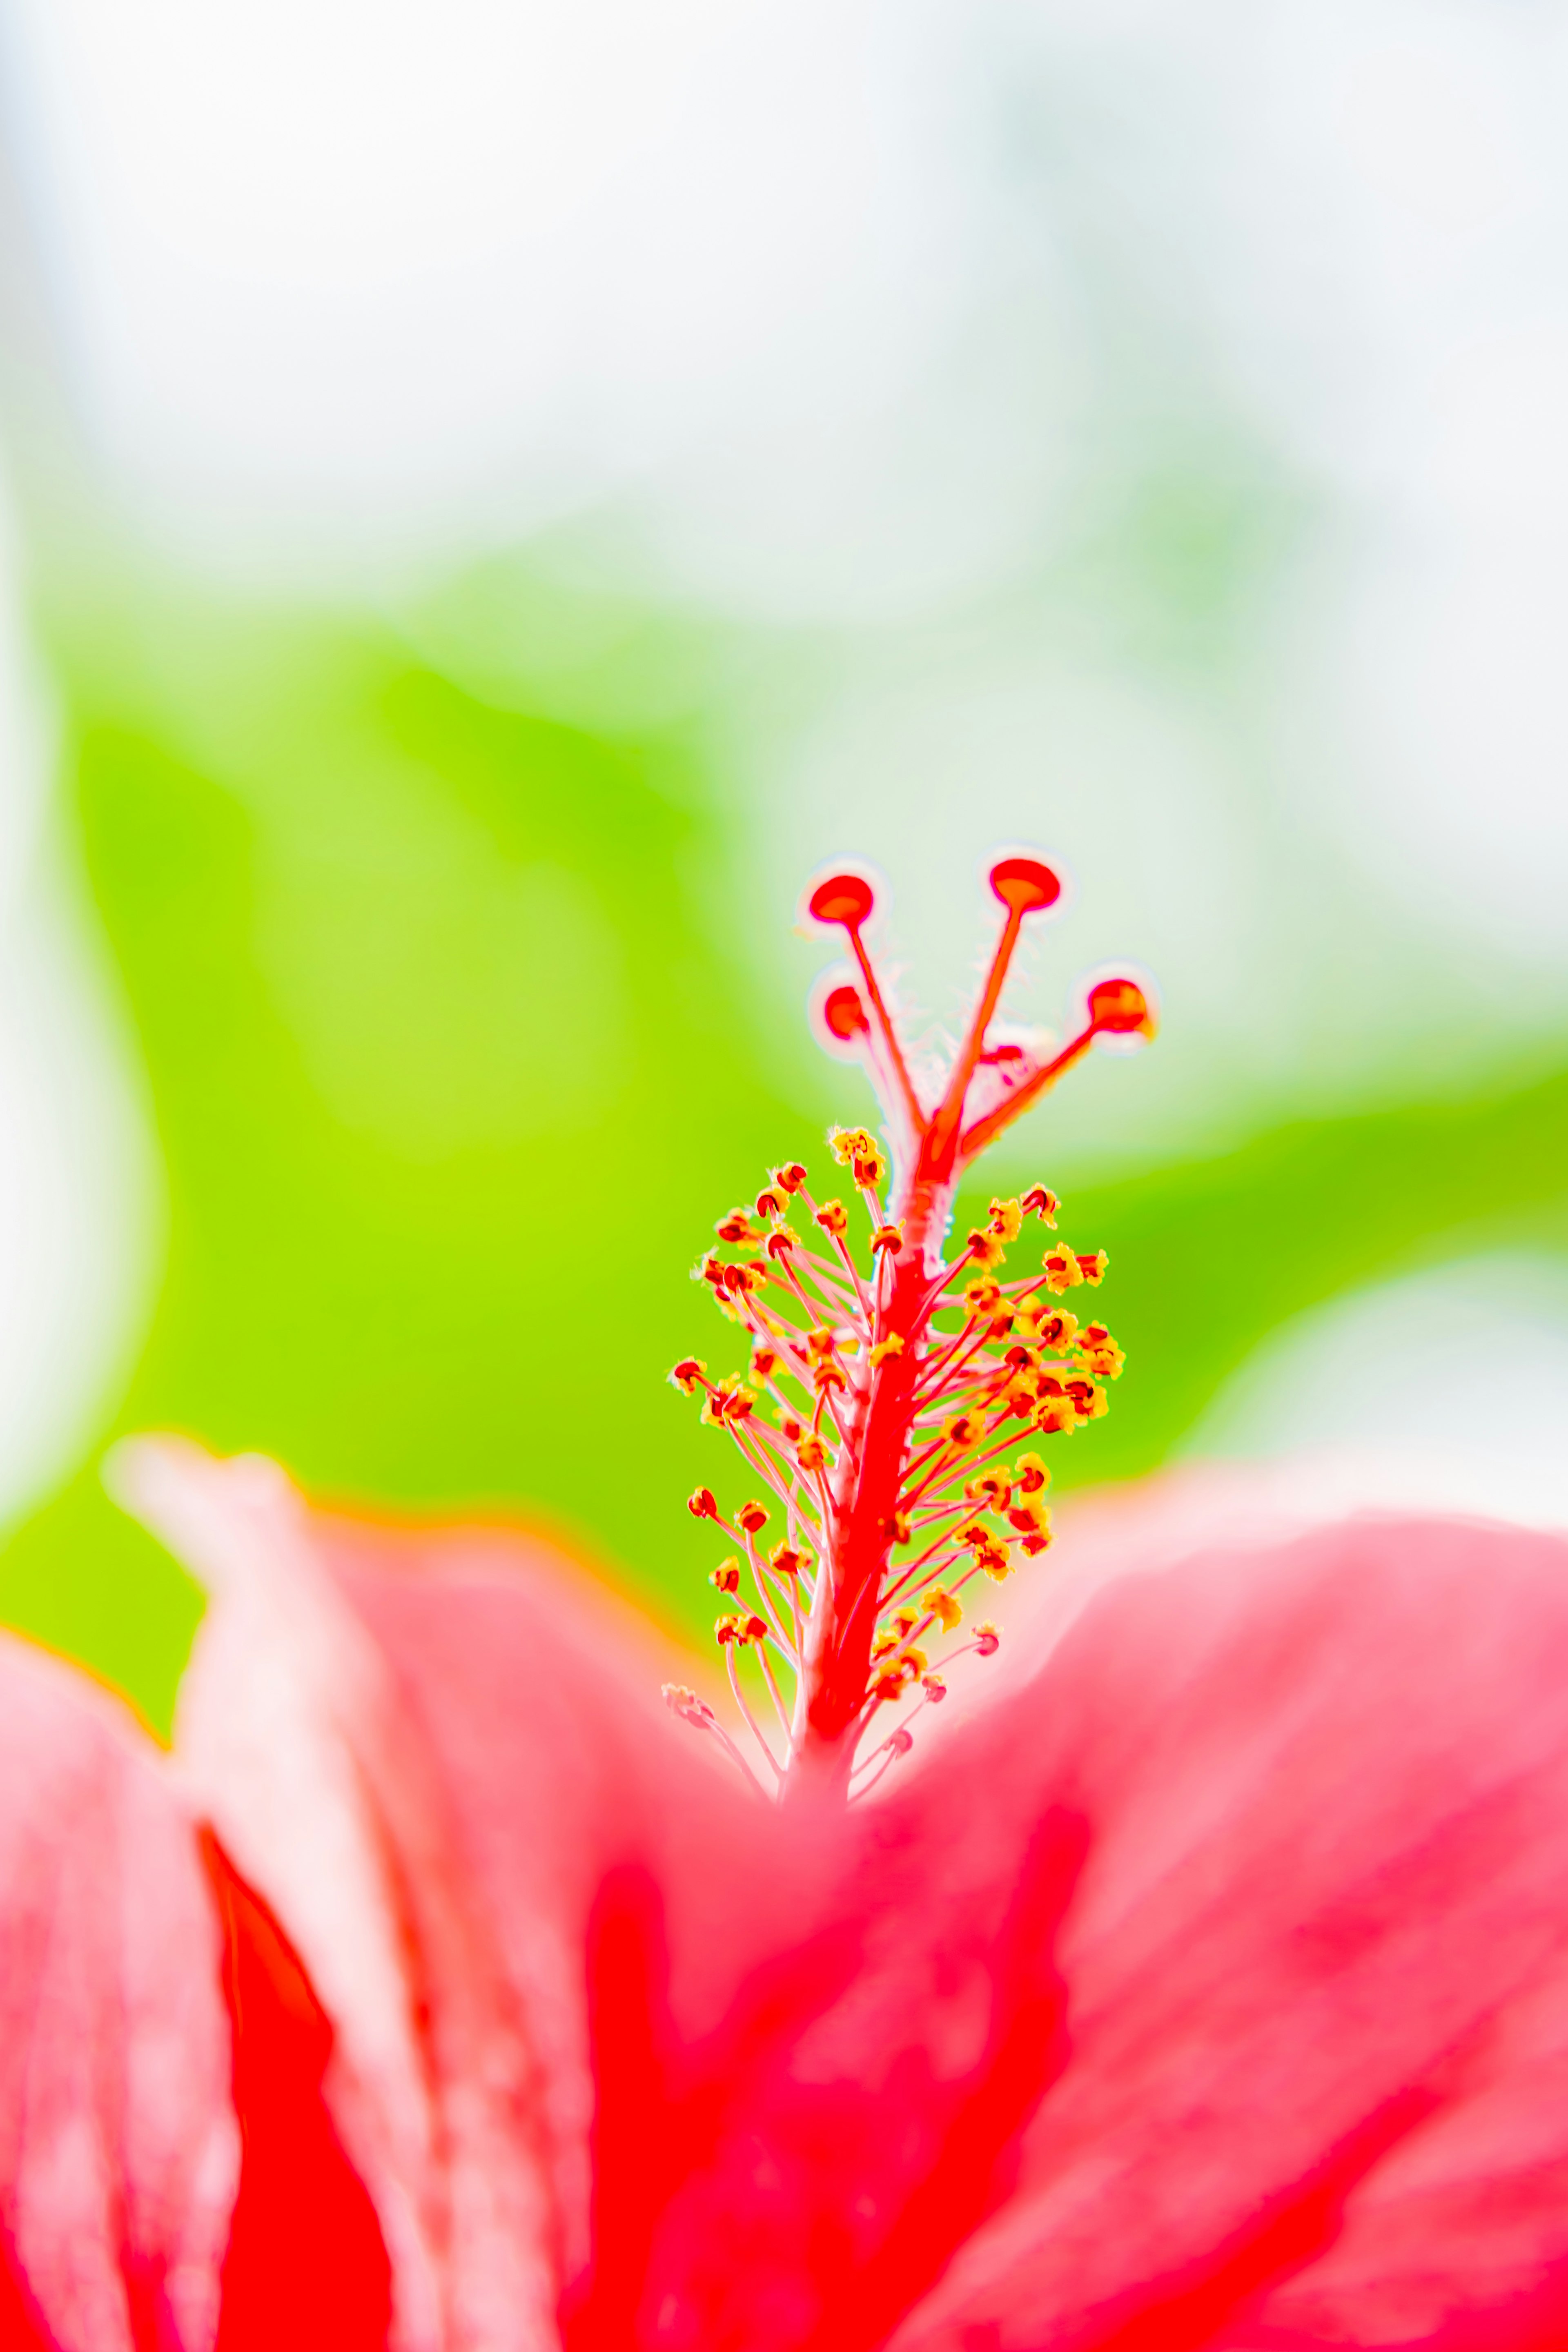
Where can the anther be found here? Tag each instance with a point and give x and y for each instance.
(751, 1517)
(726, 1577)
(701, 1505)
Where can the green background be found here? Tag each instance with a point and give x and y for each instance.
(454, 1052)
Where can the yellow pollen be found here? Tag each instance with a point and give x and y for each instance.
(1063, 1271)
(1031, 1474)
(1006, 1219)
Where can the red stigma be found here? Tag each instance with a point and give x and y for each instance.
(1023, 886)
(1121, 1007)
(843, 1015)
(844, 898)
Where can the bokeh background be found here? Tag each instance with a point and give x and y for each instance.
(497, 493)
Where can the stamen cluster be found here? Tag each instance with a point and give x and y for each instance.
(888, 1387)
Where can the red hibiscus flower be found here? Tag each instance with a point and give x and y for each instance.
(1201, 1984)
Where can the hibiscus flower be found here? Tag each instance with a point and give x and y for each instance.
(1196, 1980)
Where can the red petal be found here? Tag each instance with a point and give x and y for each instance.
(305, 2265)
(1328, 1787)
(1315, 2046)
(118, 2146)
(428, 1786)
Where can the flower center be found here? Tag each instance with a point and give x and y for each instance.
(898, 1381)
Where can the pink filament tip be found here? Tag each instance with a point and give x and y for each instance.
(1023, 886)
(844, 898)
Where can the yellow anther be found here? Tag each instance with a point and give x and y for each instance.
(781, 1241)
(753, 1628)
(996, 1561)
(826, 1376)
(729, 1401)
(905, 1620)
(770, 1205)
(992, 1491)
(832, 1217)
(974, 1536)
(1006, 1218)
(888, 1237)
(964, 1430)
(1092, 1267)
(688, 1374)
(869, 1168)
(1063, 1269)
(984, 1248)
(790, 1177)
(785, 1559)
(1053, 1327)
(751, 1517)
(1099, 1349)
(1089, 1400)
(1029, 1516)
(903, 1528)
(984, 1297)
(726, 1577)
(1042, 1203)
(812, 1454)
(765, 1362)
(736, 1226)
(943, 1605)
(1031, 1474)
(727, 1629)
(823, 1341)
(891, 1345)
(850, 1143)
(1055, 1417)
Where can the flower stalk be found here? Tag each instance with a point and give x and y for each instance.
(895, 1389)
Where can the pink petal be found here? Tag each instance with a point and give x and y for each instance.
(1205, 1983)
(119, 2151)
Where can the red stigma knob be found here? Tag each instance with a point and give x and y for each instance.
(845, 898)
(1121, 1006)
(1024, 885)
(843, 1015)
